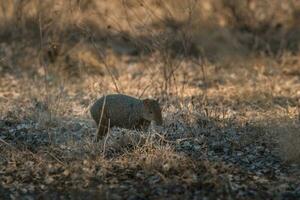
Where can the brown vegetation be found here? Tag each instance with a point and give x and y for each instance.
(226, 73)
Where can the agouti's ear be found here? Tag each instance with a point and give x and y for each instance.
(146, 102)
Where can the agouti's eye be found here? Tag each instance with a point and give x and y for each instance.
(151, 112)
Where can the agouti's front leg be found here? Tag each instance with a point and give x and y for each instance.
(102, 131)
(142, 125)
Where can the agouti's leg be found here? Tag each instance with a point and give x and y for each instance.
(142, 125)
(102, 131)
(103, 125)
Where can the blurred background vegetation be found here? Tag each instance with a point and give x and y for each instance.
(212, 29)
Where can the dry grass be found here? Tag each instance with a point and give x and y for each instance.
(226, 75)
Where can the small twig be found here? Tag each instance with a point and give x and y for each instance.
(144, 90)
(53, 156)
(183, 139)
(101, 116)
(169, 141)
(163, 138)
(6, 143)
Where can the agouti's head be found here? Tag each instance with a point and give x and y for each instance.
(152, 111)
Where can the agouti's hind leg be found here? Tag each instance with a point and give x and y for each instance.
(102, 126)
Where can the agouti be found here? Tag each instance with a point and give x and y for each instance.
(124, 111)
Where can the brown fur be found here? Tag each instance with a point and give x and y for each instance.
(124, 111)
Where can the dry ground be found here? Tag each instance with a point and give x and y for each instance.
(229, 88)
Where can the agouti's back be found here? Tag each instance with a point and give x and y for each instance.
(121, 109)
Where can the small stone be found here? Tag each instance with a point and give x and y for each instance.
(49, 180)
(66, 173)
